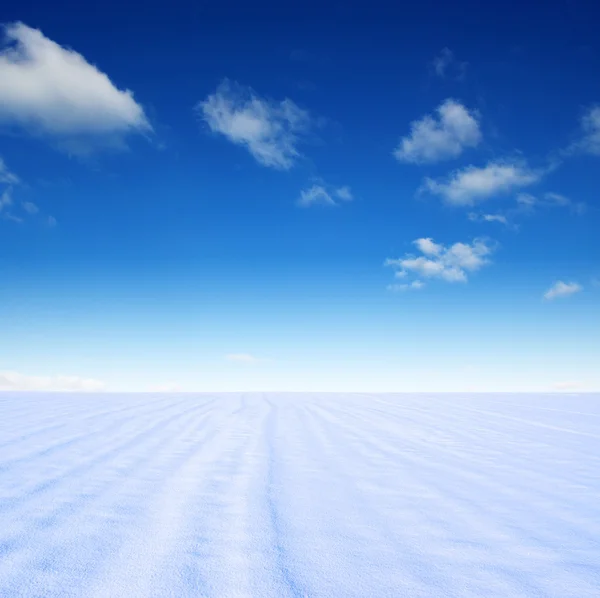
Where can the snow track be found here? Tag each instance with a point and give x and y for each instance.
(297, 496)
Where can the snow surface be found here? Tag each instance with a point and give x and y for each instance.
(235, 496)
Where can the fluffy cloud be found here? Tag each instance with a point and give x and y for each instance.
(53, 90)
(15, 381)
(269, 130)
(562, 289)
(472, 185)
(447, 263)
(446, 65)
(434, 139)
(320, 194)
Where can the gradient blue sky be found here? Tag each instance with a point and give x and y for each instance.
(226, 225)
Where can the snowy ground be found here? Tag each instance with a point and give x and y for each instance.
(299, 496)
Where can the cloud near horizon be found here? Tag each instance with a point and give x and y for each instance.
(53, 91)
(15, 381)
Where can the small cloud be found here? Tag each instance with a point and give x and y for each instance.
(344, 193)
(321, 194)
(51, 90)
(447, 263)
(30, 207)
(243, 358)
(5, 199)
(415, 285)
(15, 381)
(51, 221)
(562, 289)
(269, 130)
(6, 176)
(434, 139)
(589, 140)
(445, 66)
(488, 218)
(473, 185)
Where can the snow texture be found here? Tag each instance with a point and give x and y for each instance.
(239, 496)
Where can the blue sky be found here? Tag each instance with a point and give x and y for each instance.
(325, 198)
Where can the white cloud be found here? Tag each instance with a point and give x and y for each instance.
(445, 64)
(433, 140)
(30, 207)
(590, 132)
(488, 218)
(51, 221)
(428, 247)
(415, 285)
(53, 90)
(6, 176)
(344, 193)
(321, 194)
(10, 380)
(562, 289)
(269, 130)
(243, 358)
(447, 263)
(527, 205)
(472, 185)
(5, 199)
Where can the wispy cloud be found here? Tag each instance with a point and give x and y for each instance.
(488, 218)
(446, 136)
(10, 380)
(415, 285)
(527, 205)
(270, 130)
(30, 207)
(51, 90)
(5, 200)
(589, 137)
(562, 289)
(450, 263)
(473, 185)
(445, 65)
(324, 195)
(6, 176)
